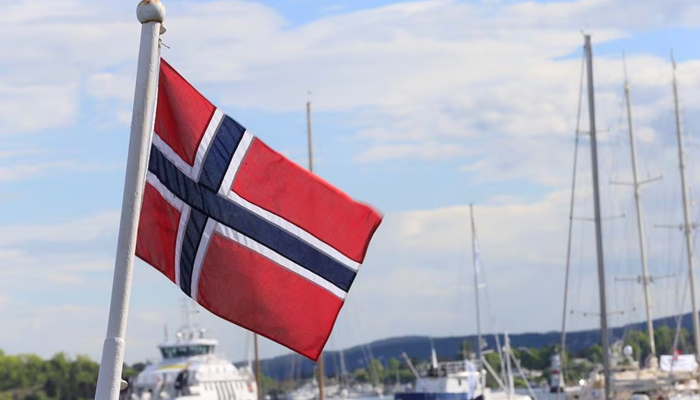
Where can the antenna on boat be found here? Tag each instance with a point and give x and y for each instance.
(598, 225)
(184, 313)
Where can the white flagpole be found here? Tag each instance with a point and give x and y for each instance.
(151, 15)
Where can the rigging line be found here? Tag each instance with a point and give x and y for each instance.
(683, 298)
(682, 282)
(571, 221)
(616, 140)
(616, 143)
(489, 309)
(679, 317)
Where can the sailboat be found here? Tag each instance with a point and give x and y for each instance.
(626, 380)
(464, 379)
(597, 388)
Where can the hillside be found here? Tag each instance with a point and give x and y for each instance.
(284, 367)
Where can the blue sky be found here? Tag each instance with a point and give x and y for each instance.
(420, 108)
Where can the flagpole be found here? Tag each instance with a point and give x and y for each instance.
(151, 14)
(319, 363)
(258, 380)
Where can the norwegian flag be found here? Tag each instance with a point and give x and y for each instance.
(248, 234)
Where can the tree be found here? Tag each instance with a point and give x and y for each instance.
(138, 367)
(466, 349)
(594, 353)
(393, 368)
(664, 337)
(495, 362)
(376, 369)
(361, 375)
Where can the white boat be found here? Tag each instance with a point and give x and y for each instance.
(454, 380)
(190, 370)
(308, 391)
(466, 379)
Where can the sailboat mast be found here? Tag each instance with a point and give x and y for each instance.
(687, 226)
(343, 373)
(598, 227)
(475, 261)
(646, 279)
(509, 372)
(319, 363)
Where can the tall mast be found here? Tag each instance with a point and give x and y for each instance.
(687, 226)
(598, 226)
(475, 260)
(509, 372)
(319, 363)
(343, 373)
(646, 279)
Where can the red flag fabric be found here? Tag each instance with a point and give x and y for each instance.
(242, 230)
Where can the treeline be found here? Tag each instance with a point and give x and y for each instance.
(664, 338)
(29, 377)
(578, 364)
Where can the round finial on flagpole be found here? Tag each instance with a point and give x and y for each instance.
(150, 11)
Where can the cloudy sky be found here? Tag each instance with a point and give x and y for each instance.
(420, 108)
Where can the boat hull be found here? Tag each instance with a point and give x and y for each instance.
(435, 396)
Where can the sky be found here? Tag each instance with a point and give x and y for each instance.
(420, 108)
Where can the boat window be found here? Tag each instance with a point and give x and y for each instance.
(186, 351)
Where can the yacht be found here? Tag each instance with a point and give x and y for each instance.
(466, 379)
(454, 380)
(457, 380)
(190, 370)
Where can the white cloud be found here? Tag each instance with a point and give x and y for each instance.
(75, 329)
(24, 171)
(34, 107)
(81, 230)
(440, 75)
(424, 151)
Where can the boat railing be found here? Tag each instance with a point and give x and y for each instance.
(446, 368)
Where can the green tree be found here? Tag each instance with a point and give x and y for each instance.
(466, 349)
(495, 363)
(393, 368)
(377, 369)
(361, 375)
(593, 354)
